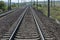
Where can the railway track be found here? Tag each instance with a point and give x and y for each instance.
(26, 28)
(49, 27)
(8, 12)
(7, 21)
(4, 14)
(29, 26)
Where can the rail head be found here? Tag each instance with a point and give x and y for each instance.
(17, 26)
(7, 13)
(40, 32)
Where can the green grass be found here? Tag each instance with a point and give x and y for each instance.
(54, 12)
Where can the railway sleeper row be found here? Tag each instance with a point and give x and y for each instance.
(28, 29)
(8, 34)
(48, 35)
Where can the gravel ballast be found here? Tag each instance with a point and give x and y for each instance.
(50, 28)
(7, 21)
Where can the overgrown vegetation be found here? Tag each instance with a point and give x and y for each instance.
(3, 6)
(14, 5)
(54, 11)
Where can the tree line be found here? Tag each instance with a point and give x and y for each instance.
(4, 6)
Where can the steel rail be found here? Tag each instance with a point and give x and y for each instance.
(1, 15)
(17, 26)
(40, 32)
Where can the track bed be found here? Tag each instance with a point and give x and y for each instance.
(7, 21)
(49, 27)
(28, 29)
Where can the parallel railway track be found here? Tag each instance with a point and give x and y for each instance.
(4, 14)
(7, 21)
(32, 25)
(8, 12)
(26, 28)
